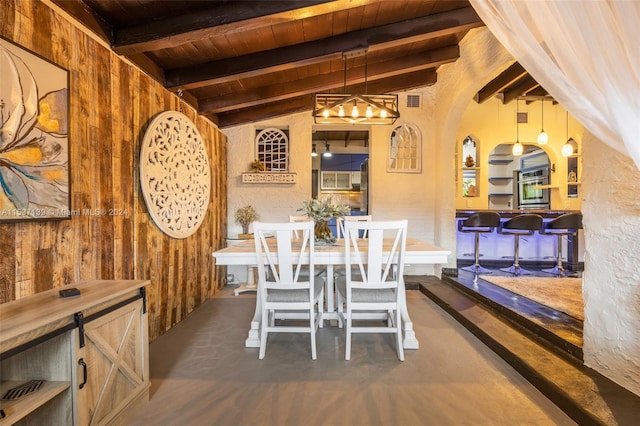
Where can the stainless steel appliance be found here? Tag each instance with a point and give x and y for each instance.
(530, 195)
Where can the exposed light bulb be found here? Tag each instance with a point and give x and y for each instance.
(325, 113)
(517, 149)
(341, 111)
(543, 138)
(326, 153)
(354, 111)
(383, 113)
(567, 149)
(369, 112)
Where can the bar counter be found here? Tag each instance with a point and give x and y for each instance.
(536, 250)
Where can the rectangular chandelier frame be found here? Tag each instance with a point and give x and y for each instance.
(337, 108)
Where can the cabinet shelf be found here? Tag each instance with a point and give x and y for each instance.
(500, 195)
(17, 409)
(500, 179)
(500, 161)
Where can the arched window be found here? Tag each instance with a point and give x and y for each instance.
(405, 146)
(272, 148)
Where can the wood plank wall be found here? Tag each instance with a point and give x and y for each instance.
(111, 103)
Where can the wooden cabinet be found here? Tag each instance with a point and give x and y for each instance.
(90, 351)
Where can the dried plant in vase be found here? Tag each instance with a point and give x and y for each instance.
(244, 217)
(321, 211)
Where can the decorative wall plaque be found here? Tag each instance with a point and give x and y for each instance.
(174, 174)
(266, 177)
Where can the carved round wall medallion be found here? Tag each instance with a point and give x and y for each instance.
(174, 174)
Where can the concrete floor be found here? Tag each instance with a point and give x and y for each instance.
(201, 374)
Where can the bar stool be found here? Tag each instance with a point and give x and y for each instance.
(563, 225)
(521, 225)
(481, 222)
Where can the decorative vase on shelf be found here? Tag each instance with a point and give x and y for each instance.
(469, 162)
(322, 232)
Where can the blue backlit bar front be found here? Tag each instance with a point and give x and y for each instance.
(538, 250)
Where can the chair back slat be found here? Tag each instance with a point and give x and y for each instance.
(294, 219)
(291, 254)
(355, 218)
(377, 269)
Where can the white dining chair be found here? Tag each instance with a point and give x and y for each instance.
(352, 218)
(373, 279)
(319, 271)
(339, 271)
(282, 287)
(294, 219)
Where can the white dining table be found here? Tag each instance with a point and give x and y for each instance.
(417, 253)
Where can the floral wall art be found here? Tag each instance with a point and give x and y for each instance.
(34, 138)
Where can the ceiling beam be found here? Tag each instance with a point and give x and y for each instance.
(521, 87)
(219, 19)
(503, 80)
(307, 102)
(313, 52)
(394, 67)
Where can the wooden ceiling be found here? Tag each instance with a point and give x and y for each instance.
(243, 61)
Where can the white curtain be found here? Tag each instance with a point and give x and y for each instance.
(586, 54)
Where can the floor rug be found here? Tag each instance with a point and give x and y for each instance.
(561, 294)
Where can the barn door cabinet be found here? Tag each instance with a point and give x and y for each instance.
(90, 352)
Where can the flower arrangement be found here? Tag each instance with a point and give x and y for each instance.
(323, 210)
(256, 166)
(245, 216)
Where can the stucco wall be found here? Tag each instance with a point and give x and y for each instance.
(611, 282)
(275, 202)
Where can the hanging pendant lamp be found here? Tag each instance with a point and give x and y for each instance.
(517, 148)
(362, 108)
(567, 148)
(543, 138)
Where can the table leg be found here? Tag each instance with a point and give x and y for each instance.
(251, 281)
(410, 341)
(330, 312)
(253, 339)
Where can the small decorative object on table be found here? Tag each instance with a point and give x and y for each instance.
(244, 217)
(321, 211)
(256, 166)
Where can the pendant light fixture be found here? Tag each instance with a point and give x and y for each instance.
(314, 153)
(543, 138)
(567, 148)
(517, 147)
(327, 151)
(341, 108)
